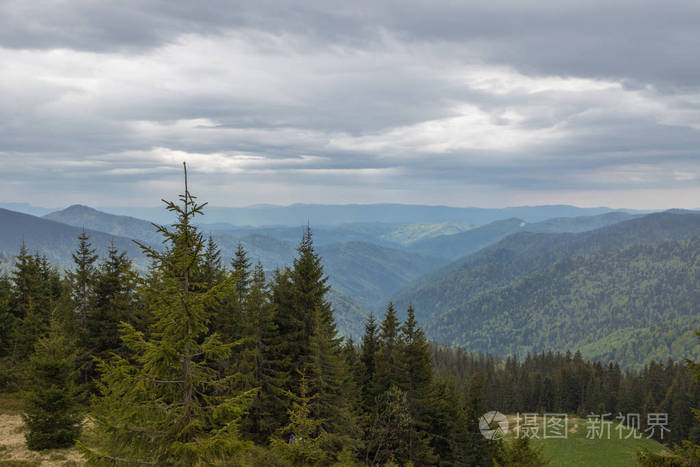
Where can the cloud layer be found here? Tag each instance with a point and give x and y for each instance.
(460, 103)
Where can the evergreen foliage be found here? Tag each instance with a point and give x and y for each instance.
(166, 404)
(52, 415)
(301, 440)
(518, 452)
(198, 363)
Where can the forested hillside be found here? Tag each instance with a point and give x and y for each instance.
(198, 362)
(631, 306)
(520, 254)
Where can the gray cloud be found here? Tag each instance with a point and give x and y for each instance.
(447, 102)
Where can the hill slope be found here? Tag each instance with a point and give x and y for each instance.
(370, 273)
(84, 216)
(54, 239)
(637, 302)
(523, 253)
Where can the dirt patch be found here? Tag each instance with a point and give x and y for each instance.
(13, 450)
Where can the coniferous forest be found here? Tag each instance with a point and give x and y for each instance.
(199, 362)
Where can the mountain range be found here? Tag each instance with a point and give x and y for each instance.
(472, 280)
(323, 215)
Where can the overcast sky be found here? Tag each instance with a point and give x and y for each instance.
(462, 103)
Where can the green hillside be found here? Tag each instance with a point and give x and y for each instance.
(632, 305)
(370, 273)
(464, 243)
(523, 253)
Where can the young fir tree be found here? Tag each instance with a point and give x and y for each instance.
(389, 432)
(479, 450)
(7, 319)
(368, 359)
(212, 271)
(36, 290)
(388, 367)
(301, 441)
(518, 452)
(262, 363)
(321, 347)
(416, 371)
(51, 412)
(82, 278)
(446, 420)
(166, 405)
(82, 281)
(241, 267)
(114, 302)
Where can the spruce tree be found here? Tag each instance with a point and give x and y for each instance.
(212, 271)
(479, 450)
(82, 278)
(388, 363)
(166, 405)
(241, 267)
(416, 360)
(416, 371)
(8, 319)
(390, 428)
(51, 412)
(518, 452)
(36, 290)
(114, 302)
(262, 363)
(321, 351)
(301, 441)
(368, 360)
(446, 420)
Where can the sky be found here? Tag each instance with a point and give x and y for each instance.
(460, 103)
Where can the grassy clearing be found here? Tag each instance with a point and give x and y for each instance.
(578, 450)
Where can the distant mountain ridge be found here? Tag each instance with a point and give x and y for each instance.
(78, 215)
(321, 215)
(464, 243)
(55, 240)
